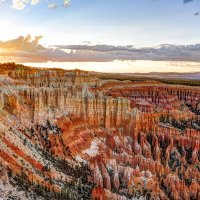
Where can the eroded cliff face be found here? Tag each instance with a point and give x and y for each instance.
(76, 136)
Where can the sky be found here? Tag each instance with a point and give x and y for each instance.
(102, 35)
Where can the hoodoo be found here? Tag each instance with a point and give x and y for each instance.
(69, 134)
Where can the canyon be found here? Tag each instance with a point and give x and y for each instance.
(72, 134)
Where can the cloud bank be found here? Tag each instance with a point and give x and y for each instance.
(28, 49)
(166, 52)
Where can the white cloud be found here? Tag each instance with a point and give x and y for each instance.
(21, 4)
(34, 2)
(52, 6)
(18, 4)
(66, 3)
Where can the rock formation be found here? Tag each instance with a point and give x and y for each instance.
(71, 135)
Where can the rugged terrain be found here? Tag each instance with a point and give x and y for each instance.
(75, 135)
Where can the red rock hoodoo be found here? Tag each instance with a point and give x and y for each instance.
(72, 135)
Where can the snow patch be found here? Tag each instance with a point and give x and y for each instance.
(94, 149)
(79, 159)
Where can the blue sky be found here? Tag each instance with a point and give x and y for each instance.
(135, 22)
(141, 23)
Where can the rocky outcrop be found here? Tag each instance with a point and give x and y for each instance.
(75, 135)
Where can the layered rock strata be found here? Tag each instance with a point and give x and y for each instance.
(76, 136)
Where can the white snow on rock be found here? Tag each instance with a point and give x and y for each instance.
(79, 159)
(94, 149)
